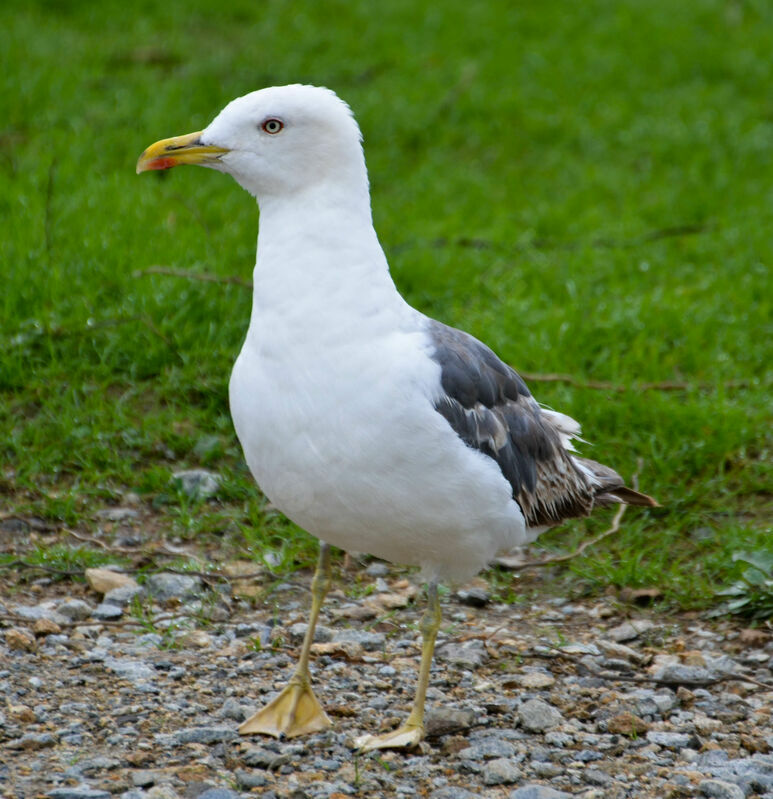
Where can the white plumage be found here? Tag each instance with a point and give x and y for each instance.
(372, 426)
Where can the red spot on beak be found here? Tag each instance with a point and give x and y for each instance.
(162, 163)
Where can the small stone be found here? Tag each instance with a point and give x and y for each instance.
(681, 673)
(204, 735)
(198, 639)
(670, 740)
(536, 791)
(20, 640)
(369, 641)
(197, 484)
(705, 725)
(162, 792)
(469, 655)
(33, 741)
(452, 792)
(35, 612)
(104, 580)
(107, 612)
(117, 515)
(44, 626)
(627, 724)
(297, 633)
(75, 609)
(759, 745)
(377, 569)
(594, 776)
(348, 650)
(620, 651)
(250, 779)
(538, 716)
(473, 597)
(78, 792)
(719, 789)
(233, 709)
(535, 680)
(446, 720)
(165, 586)
(143, 779)
(22, 713)
(131, 670)
(629, 630)
(753, 637)
(263, 758)
(487, 749)
(122, 595)
(389, 600)
(501, 771)
(218, 793)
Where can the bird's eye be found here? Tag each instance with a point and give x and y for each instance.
(272, 125)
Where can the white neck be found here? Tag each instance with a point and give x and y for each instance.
(319, 258)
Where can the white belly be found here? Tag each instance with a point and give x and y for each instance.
(346, 442)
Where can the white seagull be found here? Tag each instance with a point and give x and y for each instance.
(372, 426)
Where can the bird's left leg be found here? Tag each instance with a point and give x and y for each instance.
(296, 710)
(410, 733)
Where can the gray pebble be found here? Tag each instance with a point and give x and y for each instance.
(544, 768)
(322, 634)
(122, 595)
(594, 776)
(143, 779)
(474, 597)
(718, 789)
(470, 655)
(78, 792)
(42, 611)
(629, 630)
(445, 720)
(536, 791)
(369, 641)
(107, 612)
(165, 586)
(197, 484)
(131, 670)
(684, 674)
(204, 735)
(218, 793)
(377, 569)
(233, 709)
(452, 792)
(670, 740)
(486, 749)
(75, 609)
(538, 716)
(117, 514)
(264, 758)
(501, 772)
(250, 779)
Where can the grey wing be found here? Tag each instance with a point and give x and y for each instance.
(491, 409)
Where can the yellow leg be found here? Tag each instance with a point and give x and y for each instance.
(410, 733)
(296, 710)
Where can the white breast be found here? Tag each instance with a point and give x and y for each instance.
(335, 415)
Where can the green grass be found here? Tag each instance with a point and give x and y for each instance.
(531, 165)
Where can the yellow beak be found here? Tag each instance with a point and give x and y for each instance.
(178, 150)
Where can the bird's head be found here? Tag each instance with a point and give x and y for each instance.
(274, 142)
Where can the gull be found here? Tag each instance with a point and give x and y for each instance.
(367, 423)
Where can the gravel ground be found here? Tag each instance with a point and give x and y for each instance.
(526, 702)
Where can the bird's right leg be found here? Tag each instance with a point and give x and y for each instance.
(296, 710)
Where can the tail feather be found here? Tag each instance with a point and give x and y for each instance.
(610, 487)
